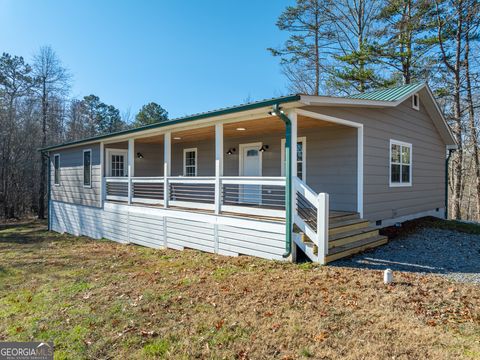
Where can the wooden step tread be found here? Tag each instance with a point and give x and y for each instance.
(356, 247)
(337, 224)
(352, 238)
(353, 232)
(347, 225)
(334, 215)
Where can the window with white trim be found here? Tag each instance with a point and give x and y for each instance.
(56, 169)
(87, 168)
(190, 162)
(416, 102)
(301, 158)
(400, 163)
(117, 162)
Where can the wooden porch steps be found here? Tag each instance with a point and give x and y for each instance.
(348, 235)
(337, 227)
(355, 247)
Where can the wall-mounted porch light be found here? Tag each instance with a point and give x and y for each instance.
(231, 151)
(264, 148)
(139, 155)
(241, 129)
(177, 138)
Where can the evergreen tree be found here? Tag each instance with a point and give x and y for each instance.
(407, 31)
(150, 113)
(303, 55)
(100, 117)
(353, 68)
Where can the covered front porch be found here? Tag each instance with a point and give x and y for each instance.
(236, 168)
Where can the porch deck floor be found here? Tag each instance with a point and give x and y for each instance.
(333, 213)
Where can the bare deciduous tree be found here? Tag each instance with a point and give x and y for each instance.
(51, 80)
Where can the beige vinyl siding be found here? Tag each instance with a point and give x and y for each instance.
(428, 154)
(205, 157)
(332, 164)
(152, 162)
(71, 188)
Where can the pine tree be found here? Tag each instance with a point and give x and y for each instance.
(406, 35)
(304, 53)
(150, 113)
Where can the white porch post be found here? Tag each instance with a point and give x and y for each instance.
(167, 159)
(131, 167)
(293, 150)
(360, 170)
(102, 174)
(218, 166)
(323, 211)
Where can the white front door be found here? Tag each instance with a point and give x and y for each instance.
(117, 162)
(250, 165)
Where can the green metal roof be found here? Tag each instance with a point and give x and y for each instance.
(204, 115)
(391, 94)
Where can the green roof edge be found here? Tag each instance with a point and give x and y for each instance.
(388, 94)
(219, 112)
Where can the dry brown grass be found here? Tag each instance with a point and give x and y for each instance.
(98, 299)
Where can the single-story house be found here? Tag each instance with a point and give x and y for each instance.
(319, 174)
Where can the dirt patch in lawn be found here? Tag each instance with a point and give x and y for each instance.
(99, 299)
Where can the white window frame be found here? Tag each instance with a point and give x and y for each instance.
(55, 170)
(417, 106)
(195, 150)
(303, 140)
(111, 151)
(400, 184)
(83, 168)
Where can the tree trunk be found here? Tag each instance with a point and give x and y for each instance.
(361, 63)
(457, 111)
(43, 167)
(317, 51)
(471, 118)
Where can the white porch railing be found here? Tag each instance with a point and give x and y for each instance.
(191, 192)
(116, 188)
(261, 196)
(311, 215)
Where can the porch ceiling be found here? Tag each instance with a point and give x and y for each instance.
(157, 139)
(258, 127)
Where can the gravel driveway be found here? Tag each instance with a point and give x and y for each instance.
(447, 253)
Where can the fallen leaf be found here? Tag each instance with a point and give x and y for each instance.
(219, 324)
(322, 336)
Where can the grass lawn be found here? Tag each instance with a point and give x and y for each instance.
(98, 299)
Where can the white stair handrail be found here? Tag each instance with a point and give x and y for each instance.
(306, 191)
(321, 203)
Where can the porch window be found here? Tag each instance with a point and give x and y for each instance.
(87, 168)
(117, 162)
(301, 158)
(56, 169)
(400, 163)
(190, 162)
